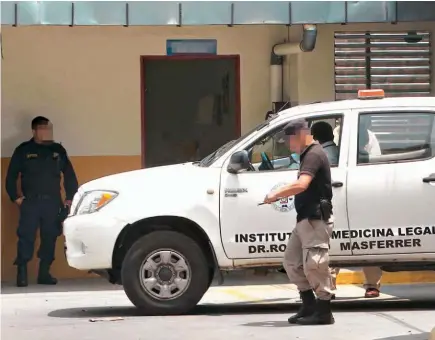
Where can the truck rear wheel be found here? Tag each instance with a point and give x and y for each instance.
(165, 272)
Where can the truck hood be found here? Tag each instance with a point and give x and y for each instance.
(149, 179)
(184, 190)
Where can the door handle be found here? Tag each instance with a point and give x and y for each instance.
(337, 184)
(429, 179)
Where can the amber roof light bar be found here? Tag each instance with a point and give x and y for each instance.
(371, 94)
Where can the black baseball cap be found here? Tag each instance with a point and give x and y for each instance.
(292, 128)
(295, 127)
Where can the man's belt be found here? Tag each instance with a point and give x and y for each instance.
(41, 197)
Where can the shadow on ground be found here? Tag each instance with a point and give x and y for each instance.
(415, 333)
(272, 306)
(79, 285)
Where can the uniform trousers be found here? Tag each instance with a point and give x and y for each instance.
(306, 259)
(43, 213)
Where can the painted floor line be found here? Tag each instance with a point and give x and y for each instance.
(234, 292)
(348, 278)
(257, 294)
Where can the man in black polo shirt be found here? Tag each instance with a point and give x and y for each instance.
(306, 259)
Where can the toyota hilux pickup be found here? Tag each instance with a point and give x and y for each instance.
(165, 233)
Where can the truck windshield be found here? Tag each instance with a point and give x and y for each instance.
(211, 158)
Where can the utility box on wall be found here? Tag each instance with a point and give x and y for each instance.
(280, 106)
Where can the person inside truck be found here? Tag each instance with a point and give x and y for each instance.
(322, 132)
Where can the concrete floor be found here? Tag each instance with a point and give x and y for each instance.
(96, 310)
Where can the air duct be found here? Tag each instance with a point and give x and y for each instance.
(276, 78)
(307, 44)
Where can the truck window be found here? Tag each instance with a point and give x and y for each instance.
(271, 145)
(331, 144)
(391, 137)
(208, 160)
(274, 146)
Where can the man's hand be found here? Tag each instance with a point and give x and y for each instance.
(270, 198)
(67, 203)
(19, 200)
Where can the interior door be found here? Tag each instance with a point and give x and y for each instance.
(391, 195)
(205, 110)
(250, 231)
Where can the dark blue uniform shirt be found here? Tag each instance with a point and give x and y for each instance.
(40, 166)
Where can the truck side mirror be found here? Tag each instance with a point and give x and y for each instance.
(239, 161)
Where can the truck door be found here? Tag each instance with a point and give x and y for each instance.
(391, 185)
(254, 232)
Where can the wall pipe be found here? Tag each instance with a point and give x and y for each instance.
(307, 44)
(276, 78)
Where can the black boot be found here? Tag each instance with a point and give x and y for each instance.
(308, 306)
(44, 277)
(22, 275)
(322, 316)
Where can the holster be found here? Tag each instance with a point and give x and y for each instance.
(325, 209)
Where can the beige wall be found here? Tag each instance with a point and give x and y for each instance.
(86, 80)
(310, 76)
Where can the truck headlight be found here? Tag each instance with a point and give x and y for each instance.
(93, 201)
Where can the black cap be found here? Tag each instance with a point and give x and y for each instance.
(295, 127)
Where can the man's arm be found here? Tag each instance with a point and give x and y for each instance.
(308, 170)
(12, 174)
(295, 188)
(69, 177)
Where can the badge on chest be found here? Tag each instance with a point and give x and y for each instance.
(31, 155)
(55, 155)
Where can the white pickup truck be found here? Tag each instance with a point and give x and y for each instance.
(164, 233)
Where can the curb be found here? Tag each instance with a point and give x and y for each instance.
(350, 277)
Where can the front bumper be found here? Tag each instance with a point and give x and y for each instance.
(90, 240)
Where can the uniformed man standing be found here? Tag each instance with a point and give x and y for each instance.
(40, 162)
(306, 259)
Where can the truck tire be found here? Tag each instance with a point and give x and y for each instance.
(165, 273)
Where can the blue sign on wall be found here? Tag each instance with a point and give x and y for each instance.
(191, 46)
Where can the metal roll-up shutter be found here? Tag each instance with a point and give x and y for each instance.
(397, 62)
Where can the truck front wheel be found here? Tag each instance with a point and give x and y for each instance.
(165, 272)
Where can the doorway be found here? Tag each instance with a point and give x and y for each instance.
(190, 107)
